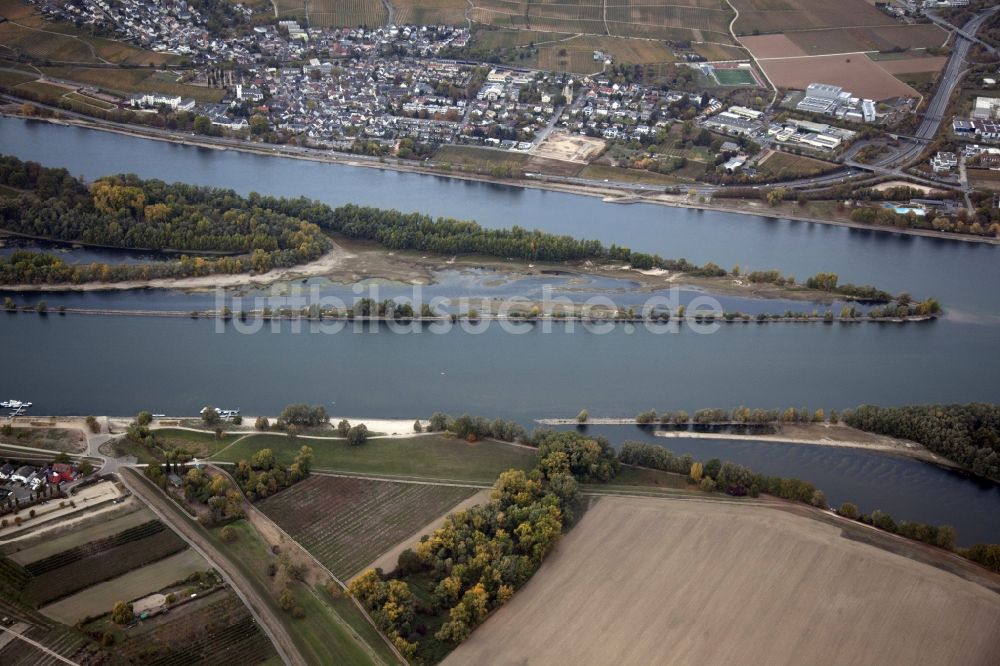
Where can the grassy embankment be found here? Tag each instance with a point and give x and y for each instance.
(428, 456)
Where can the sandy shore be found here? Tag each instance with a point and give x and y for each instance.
(612, 194)
(825, 434)
(326, 264)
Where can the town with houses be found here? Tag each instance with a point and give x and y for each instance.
(400, 90)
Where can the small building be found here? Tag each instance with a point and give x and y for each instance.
(734, 164)
(986, 108)
(175, 480)
(944, 162)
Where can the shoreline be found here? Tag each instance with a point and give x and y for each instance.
(897, 447)
(457, 319)
(609, 194)
(807, 434)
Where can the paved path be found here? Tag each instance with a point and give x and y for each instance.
(240, 584)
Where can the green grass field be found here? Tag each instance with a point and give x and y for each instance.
(734, 77)
(786, 165)
(326, 635)
(428, 456)
(52, 439)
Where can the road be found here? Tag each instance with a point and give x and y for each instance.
(191, 532)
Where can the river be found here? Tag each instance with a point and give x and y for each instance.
(118, 365)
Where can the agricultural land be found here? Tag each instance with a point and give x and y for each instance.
(669, 594)
(346, 523)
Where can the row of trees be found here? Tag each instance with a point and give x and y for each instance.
(125, 211)
(480, 556)
(263, 475)
(968, 434)
(741, 414)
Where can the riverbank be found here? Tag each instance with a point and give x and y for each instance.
(816, 434)
(352, 261)
(623, 192)
(608, 318)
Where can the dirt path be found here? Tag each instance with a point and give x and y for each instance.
(241, 586)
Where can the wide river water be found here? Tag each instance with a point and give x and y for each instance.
(118, 365)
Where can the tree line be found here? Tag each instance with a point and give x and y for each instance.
(968, 434)
(128, 212)
(476, 560)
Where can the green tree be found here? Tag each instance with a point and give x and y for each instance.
(262, 423)
(202, 125)
(258, 124)
(582, 416)
(144, 418)
(122, 613)
(343, 427)
(357, 435)
(209, 416)
(417, 427)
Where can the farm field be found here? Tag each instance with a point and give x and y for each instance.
(346, 523)
(424, 456)
(11, 79)
(427, 12)
(128, 81)
(101, 597)
(216, 629)
(884, 38)
(694, 20)
(63, 41)
(781, 165)
(336, 13)
(59, 639)
(802, 27)
(52, 439)
(854, 72)
(734, 582)
(766, 16)
(70, 571)
(912, 65)
(714, 52)
(98, 527)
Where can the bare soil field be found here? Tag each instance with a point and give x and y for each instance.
(882, 38)
(642, 581)
(769, 16)
(570, 147)
(854, 72)
(772, 46)
(913, 65)
(102, 597)
(347, 522)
